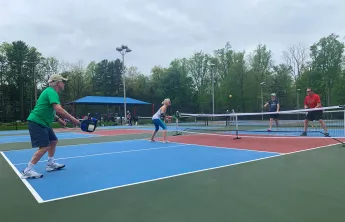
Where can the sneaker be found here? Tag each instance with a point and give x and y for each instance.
(31, 174)
(54, 166)
(304, 134)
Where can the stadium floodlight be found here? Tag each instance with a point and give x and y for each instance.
(123, 49)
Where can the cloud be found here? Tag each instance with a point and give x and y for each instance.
(159, 31)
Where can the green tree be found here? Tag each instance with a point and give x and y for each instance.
(327, 55)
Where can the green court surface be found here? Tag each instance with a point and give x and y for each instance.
(293, 187)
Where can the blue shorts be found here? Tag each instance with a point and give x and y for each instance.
(159, 123)
(41, 136)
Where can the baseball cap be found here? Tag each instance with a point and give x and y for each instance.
(56, 77)
(273, 94)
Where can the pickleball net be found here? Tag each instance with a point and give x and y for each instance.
(290, 123)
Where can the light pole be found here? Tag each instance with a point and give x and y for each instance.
(123, 50)
(212, 73)
(297, 97)
(262, 100)
(297, 91)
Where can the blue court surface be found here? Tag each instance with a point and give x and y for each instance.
(100, 166)
(26, 138)
(11, 132)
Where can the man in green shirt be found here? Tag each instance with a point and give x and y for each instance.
(47, 109)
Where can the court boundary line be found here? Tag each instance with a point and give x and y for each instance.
(224, 147)
(257, 136)
(182, 174)
(58, 138)
(122, 134)
(93, 136)
(26, 183)
(110, 153)
(66, 146)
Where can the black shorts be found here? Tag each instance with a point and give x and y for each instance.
(274, 116)
(40, 136)
(314, 115)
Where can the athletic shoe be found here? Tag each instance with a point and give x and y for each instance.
(304, 134)
(31, 174)
(54, 166)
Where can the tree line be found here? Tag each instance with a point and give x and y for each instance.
(249, 77)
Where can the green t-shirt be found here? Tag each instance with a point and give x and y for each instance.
(44, 113)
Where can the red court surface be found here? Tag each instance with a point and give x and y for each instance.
(272, 144)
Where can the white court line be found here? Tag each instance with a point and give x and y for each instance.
(85, 137)
(176, 175)
(79, 144)
(98, 136)
(257, 136)
(228, 148)
(289, 137)
(109, 153)
(26, 183)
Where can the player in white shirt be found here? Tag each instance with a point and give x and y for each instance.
(156, 120)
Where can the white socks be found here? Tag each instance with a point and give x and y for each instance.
(50, 160)
(29, 167)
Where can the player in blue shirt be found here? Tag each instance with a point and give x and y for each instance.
(274, 106)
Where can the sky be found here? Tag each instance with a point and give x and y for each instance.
(158, 31)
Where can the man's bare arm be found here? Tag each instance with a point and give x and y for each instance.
(61, 112)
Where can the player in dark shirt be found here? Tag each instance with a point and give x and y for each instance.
(274, 106)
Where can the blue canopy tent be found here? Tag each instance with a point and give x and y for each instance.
(107, 100)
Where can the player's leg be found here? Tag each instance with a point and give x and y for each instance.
(309, 117)
(156, 124)
(164, 127)
(318, 114)
(271, 121)
(276, 120)
(324, 127)
(39, 138)
(52, 165)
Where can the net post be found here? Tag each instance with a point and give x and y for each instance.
(176, 125)
(236, 120)
(177, 116)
